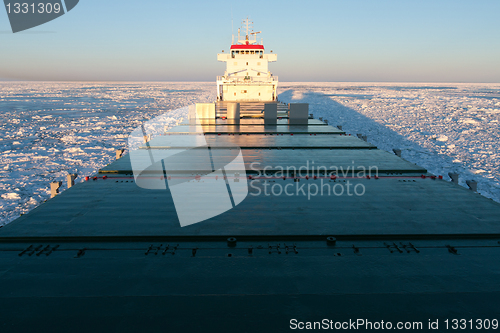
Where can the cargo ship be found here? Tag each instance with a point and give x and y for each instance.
(253, 216)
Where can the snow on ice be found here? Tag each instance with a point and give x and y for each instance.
(52, 129)
(444, 128)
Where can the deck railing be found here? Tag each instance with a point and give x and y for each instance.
(247, 80)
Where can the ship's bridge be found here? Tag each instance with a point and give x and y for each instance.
(243, 50)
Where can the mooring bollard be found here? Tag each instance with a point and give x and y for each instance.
(71, 179)
(454, 177)
(472, 185)
(54, 188)
(119, 153)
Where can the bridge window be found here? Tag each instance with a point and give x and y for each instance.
(232, 54)
(246, 52)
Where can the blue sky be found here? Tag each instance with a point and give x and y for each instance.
(351, 40)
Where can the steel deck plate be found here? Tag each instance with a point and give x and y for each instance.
(128, 291)
(343, 160)
(393, 206)
(257, 141)
(225, 129)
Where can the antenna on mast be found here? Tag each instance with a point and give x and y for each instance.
(232, 29)
(250, 37)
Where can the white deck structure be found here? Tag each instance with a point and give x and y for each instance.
(247, 76)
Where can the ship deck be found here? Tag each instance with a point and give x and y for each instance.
(110, 255)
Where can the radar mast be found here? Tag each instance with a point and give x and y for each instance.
(250, 37)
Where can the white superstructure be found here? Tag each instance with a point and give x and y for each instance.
(247, 76)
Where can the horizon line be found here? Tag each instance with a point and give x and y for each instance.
(156, 81)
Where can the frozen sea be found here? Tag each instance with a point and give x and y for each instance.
(52, 129)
